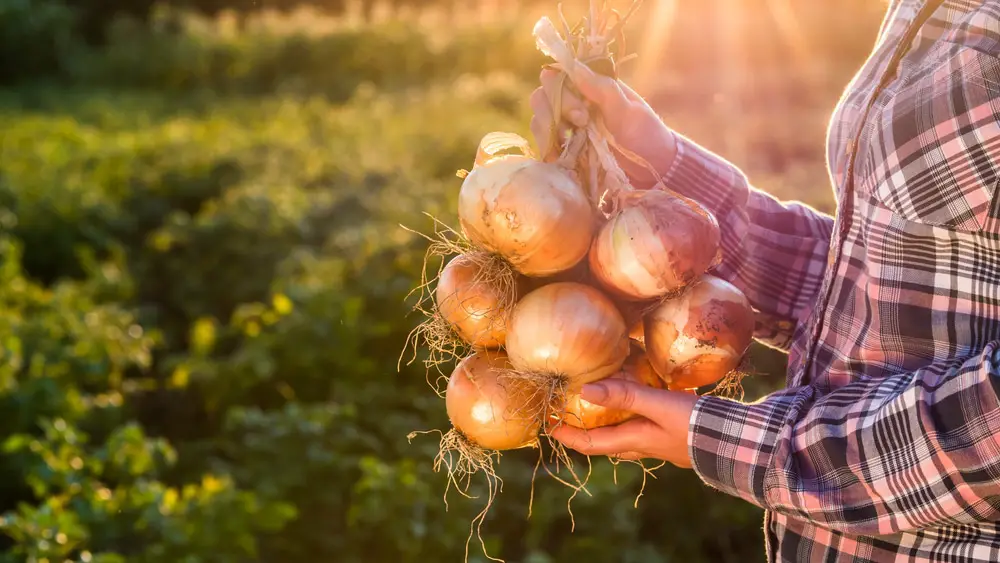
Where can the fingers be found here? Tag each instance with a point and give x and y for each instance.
(572, 108)
(541, 122)
(601, 90)
(627, 396)
(607, 440)
(553, 96)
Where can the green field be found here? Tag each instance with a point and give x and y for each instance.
(203, 279)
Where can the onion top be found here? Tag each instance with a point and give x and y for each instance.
(530, 212)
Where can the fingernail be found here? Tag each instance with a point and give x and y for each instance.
(594, 392)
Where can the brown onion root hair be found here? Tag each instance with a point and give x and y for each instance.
(444, 345)
(731, 386)
(546, 399)
(461, 459)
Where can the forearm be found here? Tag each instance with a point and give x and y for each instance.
(760, 236)
(877, 456)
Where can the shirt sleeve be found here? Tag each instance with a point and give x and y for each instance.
(877, 456)
(760, 236)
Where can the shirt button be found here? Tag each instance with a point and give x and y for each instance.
(849, 147)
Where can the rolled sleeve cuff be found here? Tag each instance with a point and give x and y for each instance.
(732, 445)
(705, 177)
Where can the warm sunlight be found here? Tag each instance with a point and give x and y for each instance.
(789, 29)
(661, 22)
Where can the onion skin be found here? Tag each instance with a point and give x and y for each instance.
(483, 410)
(701, 336)
(632, 312)
(583, 414)
(472, 305)
(567, 329)
(530, 212)
(637, 333)
(657, 243)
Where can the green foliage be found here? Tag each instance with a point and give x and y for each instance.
(35, 36)
(389, 55)
(203, 285)
(94, 479)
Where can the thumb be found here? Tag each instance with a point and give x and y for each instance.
(622, 395)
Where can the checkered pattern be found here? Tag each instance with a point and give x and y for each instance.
(885, 444)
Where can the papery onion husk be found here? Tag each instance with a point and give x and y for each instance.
(532, 213)
(475, 303)
(632, 312)
(486, 412)
(698, 338)
(654, 245)
(567, 330)
(584, 414)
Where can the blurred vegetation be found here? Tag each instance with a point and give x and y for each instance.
(203, 277)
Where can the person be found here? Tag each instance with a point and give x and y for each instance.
(885, 443)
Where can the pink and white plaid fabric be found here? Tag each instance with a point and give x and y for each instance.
(885, 445)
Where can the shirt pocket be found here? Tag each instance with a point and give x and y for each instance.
(934, 148)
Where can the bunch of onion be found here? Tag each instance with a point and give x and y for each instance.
(520, 219)
(655, 245)
(561, 266)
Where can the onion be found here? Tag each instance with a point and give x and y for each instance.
(474, 305)
(657, 243)
(568, 331)
(530, 212)
(701, 336)
(583, 414)
(484, 411)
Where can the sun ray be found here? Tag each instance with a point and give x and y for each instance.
(654, 43)
(732, 68)
(790, 31)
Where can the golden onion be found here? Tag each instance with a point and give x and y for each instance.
(567, 330)
(474, 305)
(701, 336)
(655, 244)
(483, 410)
(530, 212)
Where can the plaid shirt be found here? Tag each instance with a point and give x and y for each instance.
(885, 444)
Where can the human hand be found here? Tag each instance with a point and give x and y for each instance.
(630, 120)
(660, 432)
